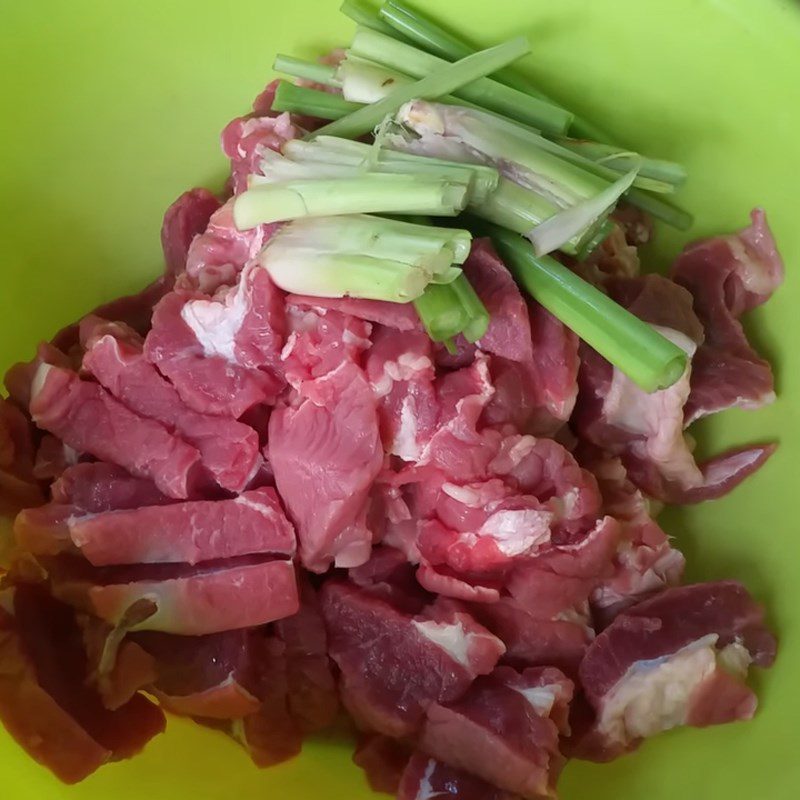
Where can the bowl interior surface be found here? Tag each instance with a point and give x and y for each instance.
(110, 110)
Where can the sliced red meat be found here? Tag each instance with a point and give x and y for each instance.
(393, 665)
(174, 598)
(399, 316)
(401, 373)
(44, 701)
(18, 488)
(192, 532)
(645, 561)
(186, 218)
(646, 430)
(548, 471)
(660, 664)
(320, 341)
(313, 700)
(210, 676)
(325, 453)
(217, 256)
(229, 450)
(727, 276)
(19, 378)
(544, 619)
(118, 669)
(245, 139)
(426, 778)
(389, 575)
(207, 382)
(534, 392)
(383, 760)
(53, 457)
(94, 487)
(505, 729)
(88, 419)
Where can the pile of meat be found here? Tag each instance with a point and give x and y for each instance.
(265, 511)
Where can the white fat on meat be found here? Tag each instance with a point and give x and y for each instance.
(426, 791)
(654, 696)
(518, 531)
(541, 698)
(216, 323)
(657, 416)
(405, 442)
(450, 636)
(39, 378)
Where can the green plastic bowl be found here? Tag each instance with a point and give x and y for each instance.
(109, 110)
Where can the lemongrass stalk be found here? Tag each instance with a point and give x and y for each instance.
(306, 70)
(429, 248)
(366, 82)
(423, 32)
(558, 230)
(311, 102)
(310, 272)
(661, 209)
(447, 311)
(441, 82)
(636, 348)
(621, 160)
(327, 150)
(366, 15)
(390, 194)
(482, 91)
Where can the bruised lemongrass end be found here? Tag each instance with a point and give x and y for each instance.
(370, 193)
(365, 257)
(365, 82)
(649, 359)
(482, 91)
(438, 83)
(311, 102)
(580, 220)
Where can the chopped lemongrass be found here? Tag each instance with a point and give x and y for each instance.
(482, 91)
(365, 82)
(366, 15)
(636, 348)
(516, 151)
(506, 137)
(331, 151)
(622, 161)
(555, 232)
(447, 311)
(429, 248)
(362, 256)
(437, 84)
(307, 271)
(423, 32)
(389, 194)
(306, 70)
(311, 102)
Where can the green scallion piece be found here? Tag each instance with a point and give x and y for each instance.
(649, 359)
(441, 82)
(311, 102)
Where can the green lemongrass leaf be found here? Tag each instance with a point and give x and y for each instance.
(484, 92)
(369, 193)
(636, 348)
(311, 102)
(441, 82)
